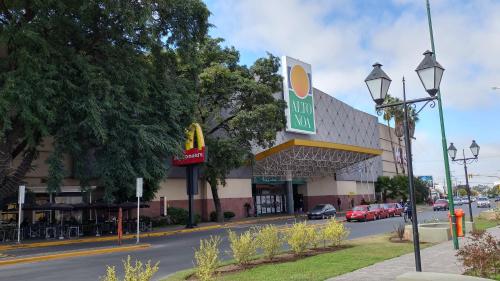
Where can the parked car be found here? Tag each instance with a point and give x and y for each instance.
(457, 201)
(497, 198)
(465, 200)
(394, 209)
(380, 211)
(322, 211)
(473, 199)
(360, 213)
(440, 204)
(483, 202)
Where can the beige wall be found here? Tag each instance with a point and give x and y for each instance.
(346, 188)
(321, 186)
(175, 189)
(388, 167)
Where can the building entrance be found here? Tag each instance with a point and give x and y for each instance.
(269, 199)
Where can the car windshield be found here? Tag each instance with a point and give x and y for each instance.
(389, 205)
(374, 207)
(441, 201)
(359, 208)
(482, 199)
(318, 208)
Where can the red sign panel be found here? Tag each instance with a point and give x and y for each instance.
(191, 156)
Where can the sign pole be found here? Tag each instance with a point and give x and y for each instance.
(22, 190)
(139, 183)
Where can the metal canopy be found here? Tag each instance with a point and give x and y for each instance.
(305, 158)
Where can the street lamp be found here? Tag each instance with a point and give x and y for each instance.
(452, 151)
(430, 73)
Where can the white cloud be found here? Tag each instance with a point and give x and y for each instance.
(341, 39)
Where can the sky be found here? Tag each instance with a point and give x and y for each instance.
(341, 39)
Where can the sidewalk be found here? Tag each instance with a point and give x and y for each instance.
(439, 258)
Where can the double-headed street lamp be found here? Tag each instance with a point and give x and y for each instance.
(430, 73)
(452, 151)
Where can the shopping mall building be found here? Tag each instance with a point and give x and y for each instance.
(330, 152)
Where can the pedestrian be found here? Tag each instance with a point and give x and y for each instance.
(339, 202)
(352, 203)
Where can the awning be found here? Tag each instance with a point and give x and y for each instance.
(306, 158)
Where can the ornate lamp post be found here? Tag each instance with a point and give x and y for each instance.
(452, 151)
(430, 73)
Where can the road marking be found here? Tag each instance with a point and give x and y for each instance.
(73, 254)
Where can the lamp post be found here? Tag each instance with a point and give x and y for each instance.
(452, 151)
(430, 73)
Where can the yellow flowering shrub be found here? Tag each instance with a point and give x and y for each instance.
(299, 238)
(207, 258)
(243, 246)
(136, 272)
(269, 240)
(334, 232)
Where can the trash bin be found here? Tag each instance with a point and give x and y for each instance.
(459, 214)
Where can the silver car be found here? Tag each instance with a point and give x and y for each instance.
(483, 202)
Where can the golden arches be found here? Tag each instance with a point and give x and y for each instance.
(195, 128)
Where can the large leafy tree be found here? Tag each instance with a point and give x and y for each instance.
(236, 108)
(397, 187)
(102, 78)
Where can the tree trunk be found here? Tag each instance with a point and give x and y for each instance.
(392, 147)
(217, 204)
(401, 154)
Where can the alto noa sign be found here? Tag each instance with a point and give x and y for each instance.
(298, 94)
(192, 154)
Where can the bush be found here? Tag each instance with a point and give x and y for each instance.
(228, 215)
(137, 272)
(481, 255)
(213, 216)
(299, 238)
(334, 232)
(180, 216)
(400, 230)
(160, 221)
(243, 246)
(315, 236)
(207, 258)
(269, 241)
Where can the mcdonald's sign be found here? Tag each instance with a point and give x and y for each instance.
(192, 154)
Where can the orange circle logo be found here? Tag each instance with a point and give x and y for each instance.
(299, 81)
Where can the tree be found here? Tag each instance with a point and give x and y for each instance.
(397, 187)
(236, 108)
(103, 79)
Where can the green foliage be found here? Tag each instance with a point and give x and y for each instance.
(207, 258)
(136, 272)
(236, 108)
(299, 237)
(462, 192)
(243, 246)
(269, 240)
(105, 79)
(180, 216)
(397, 187)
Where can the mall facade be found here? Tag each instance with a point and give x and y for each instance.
(330, 152)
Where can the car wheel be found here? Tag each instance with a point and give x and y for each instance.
(348, 220)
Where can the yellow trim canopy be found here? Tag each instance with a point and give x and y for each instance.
(309, 158)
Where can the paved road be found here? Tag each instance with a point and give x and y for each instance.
(174, 252)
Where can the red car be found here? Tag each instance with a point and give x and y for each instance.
(360, 213)
(380, 211)
(394, 209)
(440, 204)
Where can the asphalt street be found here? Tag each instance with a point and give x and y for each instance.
(174, 252)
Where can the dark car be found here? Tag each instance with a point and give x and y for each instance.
(440, 204)
(394, 209)
(360, 213)
(380, 211)
(322, 211)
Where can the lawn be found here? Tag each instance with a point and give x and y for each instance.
(482, 224)
(364, 252)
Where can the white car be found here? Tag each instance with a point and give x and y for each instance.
(483, 202)
(457, 201)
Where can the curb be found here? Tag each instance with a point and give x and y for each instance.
(133, 236)
(71, 254)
